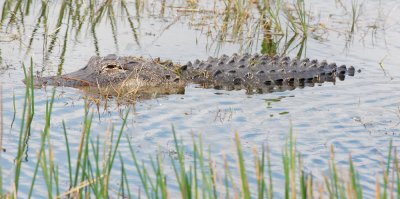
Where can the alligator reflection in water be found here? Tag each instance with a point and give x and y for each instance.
(254, 73)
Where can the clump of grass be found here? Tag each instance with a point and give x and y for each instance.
(271, 20)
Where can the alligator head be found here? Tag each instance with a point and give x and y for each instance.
(144, 75)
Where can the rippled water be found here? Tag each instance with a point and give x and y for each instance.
(358, 116)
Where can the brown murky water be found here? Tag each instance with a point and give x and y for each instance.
(358, 116)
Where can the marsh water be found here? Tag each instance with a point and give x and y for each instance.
(358, 116)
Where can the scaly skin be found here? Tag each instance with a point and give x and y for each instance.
(255, 73)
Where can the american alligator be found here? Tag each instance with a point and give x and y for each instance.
(254, 73)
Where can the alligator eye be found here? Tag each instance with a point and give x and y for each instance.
(111, 66)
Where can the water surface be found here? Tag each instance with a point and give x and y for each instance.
(358, 116)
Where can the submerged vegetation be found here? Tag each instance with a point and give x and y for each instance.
(195, 172)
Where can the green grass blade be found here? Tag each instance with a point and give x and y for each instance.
(242, 169)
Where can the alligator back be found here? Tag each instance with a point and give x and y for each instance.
(260, 73)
